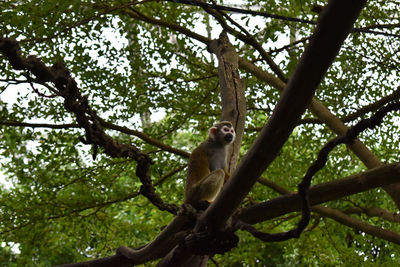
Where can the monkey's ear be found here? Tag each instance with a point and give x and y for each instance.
(213, 132)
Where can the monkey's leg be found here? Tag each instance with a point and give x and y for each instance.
(209, 187)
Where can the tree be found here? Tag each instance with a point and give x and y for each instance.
(90, 173)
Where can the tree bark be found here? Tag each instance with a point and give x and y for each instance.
(232, 91)
(233, 110)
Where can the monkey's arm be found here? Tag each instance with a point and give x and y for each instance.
(209, 186)
(198, 169)
(198, 166)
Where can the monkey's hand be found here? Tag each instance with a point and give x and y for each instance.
(201, 205)
(227, 176)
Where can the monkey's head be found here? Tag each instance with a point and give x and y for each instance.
(222, 133)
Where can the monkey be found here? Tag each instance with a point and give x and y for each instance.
(207, 170)
(207, 173)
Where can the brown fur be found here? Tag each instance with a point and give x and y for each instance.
(201, 182)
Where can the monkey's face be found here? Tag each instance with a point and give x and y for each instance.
(228, 134)
(222, 133)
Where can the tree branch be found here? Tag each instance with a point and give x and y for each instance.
(233, 100)
(342, 218)
(39, 125)
(133, 13)
(362, 111)
(127, 257)
(248, 39)
(108, 125)
(319, 163)
(233, 110)
(358, 225)
(146, 138)
(374, 212)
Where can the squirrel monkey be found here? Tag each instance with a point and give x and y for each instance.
(208, 169)
(207, 173)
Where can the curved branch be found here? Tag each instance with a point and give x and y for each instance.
(374, 212)
(146, 138)
(319, 163)
(39, 125)
(357, 224)
(362, 111)
(162, 244)
(108, 125)
(133, 13)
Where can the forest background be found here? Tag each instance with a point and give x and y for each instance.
(148, 79)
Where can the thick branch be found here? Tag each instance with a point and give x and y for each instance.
(162, 244)
(326, 41)
(381, 176)
(232, 91)
(233, 110)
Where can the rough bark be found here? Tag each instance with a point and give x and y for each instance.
(232, 91)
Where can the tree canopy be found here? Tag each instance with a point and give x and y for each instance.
(103, 101)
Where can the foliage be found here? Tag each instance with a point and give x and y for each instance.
(62, 206)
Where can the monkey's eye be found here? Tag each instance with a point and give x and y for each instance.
(226, 129)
